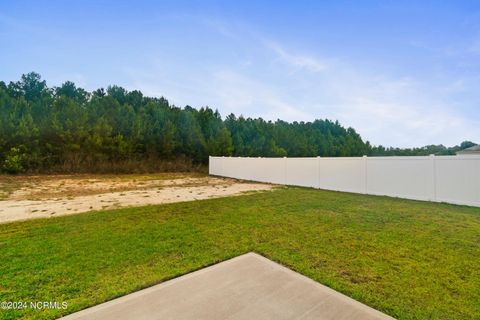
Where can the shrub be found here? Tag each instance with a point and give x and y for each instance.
(14, 161)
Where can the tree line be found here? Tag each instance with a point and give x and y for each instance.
(67, 129)
(439, 150)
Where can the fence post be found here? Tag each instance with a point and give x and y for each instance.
(285, 170)
(319, 171)
(365, 187)
(222, 165)
(434, 177)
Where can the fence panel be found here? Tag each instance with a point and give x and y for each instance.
(230, 167)
(404, 177)
(342, 174)
(457, 180)
(271, 170)
(215, 166)
(301, 172)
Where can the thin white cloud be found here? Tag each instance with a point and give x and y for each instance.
(238, 93)
(298, 61)
(219, 26)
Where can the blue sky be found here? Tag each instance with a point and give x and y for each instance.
(401, 73)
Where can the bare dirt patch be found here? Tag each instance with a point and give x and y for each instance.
(32, 197)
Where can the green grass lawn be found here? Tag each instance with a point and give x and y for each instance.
(409, 259)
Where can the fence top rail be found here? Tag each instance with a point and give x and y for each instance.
(442, 157)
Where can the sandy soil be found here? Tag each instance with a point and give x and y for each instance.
(41, 197)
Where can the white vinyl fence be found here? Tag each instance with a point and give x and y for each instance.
(452, 179)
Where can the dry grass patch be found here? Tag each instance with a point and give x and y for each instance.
(43, 196)
(68, 186)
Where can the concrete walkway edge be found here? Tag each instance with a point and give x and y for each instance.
(243, 287)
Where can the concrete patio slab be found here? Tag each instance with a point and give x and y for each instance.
(246, 287)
